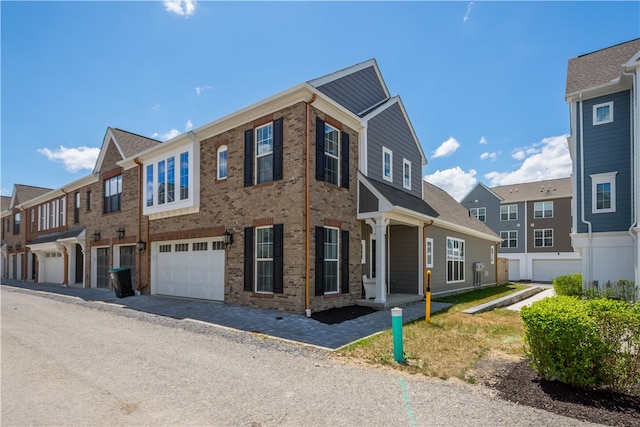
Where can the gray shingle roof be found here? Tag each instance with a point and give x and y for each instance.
(5, 202)
(403, 199)
(545, 189)
(132, 144)
(23, 193)
(600, 67)
(449, 210)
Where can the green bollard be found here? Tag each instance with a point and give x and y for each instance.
(396, 327)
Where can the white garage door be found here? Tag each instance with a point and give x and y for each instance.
(189, 268)
(545, 270)
(53, 267)
(514, 270)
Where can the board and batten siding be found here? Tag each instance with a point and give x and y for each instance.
(358, 91)
(389, 129)
(476, 250)
(404, 264)
(607, 148)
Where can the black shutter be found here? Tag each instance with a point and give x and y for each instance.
(344, 274)
(248, 158)
(277, 149)
(278, 264)
(345, 160)
(319, 149)
(319, 261)
(248, 259)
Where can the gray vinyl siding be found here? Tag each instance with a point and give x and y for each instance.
(367, 202)
(607, 148)
(481, 197)
(403, 259)
(560, 223)
(476, 250)
(357, 92)
(389, 129)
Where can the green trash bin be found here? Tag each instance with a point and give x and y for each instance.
(121, 281)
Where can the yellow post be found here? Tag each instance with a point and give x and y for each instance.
(427, 298)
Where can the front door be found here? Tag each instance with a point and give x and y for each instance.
(128, 259)
(79, 264)
(102, 268)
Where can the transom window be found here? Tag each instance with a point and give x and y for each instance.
(603, 113)
(455, 260)
(112, 192)
(264, 153)
(264, 259)
(508, 212)
(387, 164)
(480, 213)
(543, 238)
(406, 174)
(543, 210)
(603, 192)
(222, 162)
(331, 245)
(509, 239)
(331, 154)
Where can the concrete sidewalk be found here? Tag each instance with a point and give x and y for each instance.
(277, 324)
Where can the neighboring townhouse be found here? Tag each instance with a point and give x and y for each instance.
(15, 254)
(603, 92)
(533, 220)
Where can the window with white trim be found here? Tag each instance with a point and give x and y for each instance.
(331, 155)
(509, 239)
(603, 113)
(480, 213)
(508, 212)
(264, 259)
(455, 260)
(112, 193)
(387, 164)
(264, 153)
(543, 210)
(429, 252)
(331, 245)
(543, 238)
(222, 162)
(493, 254)
(406, 174)
(603, 192)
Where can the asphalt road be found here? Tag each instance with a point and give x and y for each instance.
(70, 362)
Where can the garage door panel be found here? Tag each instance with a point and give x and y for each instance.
(53, 268)
(545, 270)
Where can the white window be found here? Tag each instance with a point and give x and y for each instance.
(493, 255)
(264, 259)
(603, 113)
(455, 260)
(406, 174)
(543, 210)
(603, 192)
(331, 244)
(222, 162)
(508, 212)
(543, 238)
(264, 153)
(331, 154)
(387, 164)
(429, 250)
(480, 213)
(509, 239)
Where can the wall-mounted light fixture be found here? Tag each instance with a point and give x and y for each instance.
(96, 236)
(141, 245)
(120, 232)
(9, 248)
(227, 238)
(18, 247)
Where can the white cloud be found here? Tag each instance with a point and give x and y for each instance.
(200, 89)
(184, 8)
(73, 159)
(466, 15)
(446, 149)
(167, 135)
(454, 181)
(547, 159)
(188, 126)
(491, 156)
(483, 140)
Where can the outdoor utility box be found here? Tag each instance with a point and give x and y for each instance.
(121, 281)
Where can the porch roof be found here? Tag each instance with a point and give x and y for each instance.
(403, 199)
(59, 235)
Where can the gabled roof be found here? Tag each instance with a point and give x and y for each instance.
(452, 212)
(480, 185)
(599, 68)
(5, 202)
(539, 190)
(23, 193)
(127, 143)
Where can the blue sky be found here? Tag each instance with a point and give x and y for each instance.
(483, 82)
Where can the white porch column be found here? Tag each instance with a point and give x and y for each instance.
(381, 257)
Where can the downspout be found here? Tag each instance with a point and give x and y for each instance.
(307, 302)
(634, 168)
(139, 230)
(582, 214)
(65, 255)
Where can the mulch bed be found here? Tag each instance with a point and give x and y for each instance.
(337, 315)
(518, 383)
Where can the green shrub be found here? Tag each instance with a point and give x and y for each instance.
(623, 289)
(570, 285)
(585, 343)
